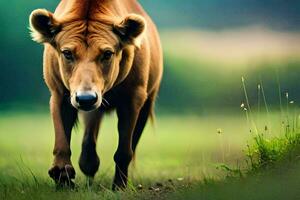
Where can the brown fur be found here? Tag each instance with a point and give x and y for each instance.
(128, 80)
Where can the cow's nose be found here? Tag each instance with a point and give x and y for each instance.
(86, 99)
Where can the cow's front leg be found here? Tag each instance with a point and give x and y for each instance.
(89, 161)
(64, 117)
(127, 118)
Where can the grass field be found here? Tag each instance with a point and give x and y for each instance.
(178, 152)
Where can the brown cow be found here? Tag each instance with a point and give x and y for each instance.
(99, 55)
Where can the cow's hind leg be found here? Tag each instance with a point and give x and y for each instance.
(89, 161)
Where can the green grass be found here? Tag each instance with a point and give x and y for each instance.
(280, 184)
(272, 172)
(266, 154)
(185, 147)
(176, 157)
(272, 163)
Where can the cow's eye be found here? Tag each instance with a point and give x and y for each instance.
(67, 54)
(107, 55)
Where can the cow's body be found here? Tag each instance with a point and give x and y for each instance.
(130, 86)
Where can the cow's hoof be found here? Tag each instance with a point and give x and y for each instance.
(63, 176)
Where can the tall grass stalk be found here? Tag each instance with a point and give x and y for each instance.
(279, 92)
(280, 101)
(266, 105)
(258, 101)
(248, 105)
(247, 117)
(287, 113)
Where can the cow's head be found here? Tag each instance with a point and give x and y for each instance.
(93, 55)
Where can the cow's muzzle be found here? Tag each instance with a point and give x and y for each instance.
(86, 100)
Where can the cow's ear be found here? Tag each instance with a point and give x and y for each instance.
(43, 26)
(130, 29)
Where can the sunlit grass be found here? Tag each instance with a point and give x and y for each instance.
(185, 148)
(177, 141)
(271, 172)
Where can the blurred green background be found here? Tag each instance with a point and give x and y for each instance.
(208, 46)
